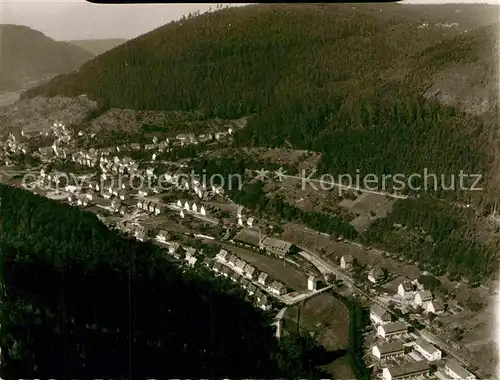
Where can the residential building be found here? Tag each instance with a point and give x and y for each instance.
(244, 283)
(226, 272)
(251, 288)
(163, 236)
(207, 262)
(235, 277)
(385, 350)
(191, 260)
(263, 278)
(392, 329)
(275, 246)
(346, 261)
(250, 222)
(422, 297)
(249, 271)
(240, 266)
(405, 289)
(312, 283)
(232, 260)
(223, 255)
(375, 275)
(406, 371)
(277, 288)
(456, 371)
(217, 267)
(258, 294)
(435, 306)
(379, 316)
(427, 350)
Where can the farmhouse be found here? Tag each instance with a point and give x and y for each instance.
(379, 316)
(435, 306)
(385, 350)
(454, 370)
(427, 350)
(375, 275)
(275, 246)
(421, 298)
(392, 329)
(405, 289)
(406, 371)
(346, 261)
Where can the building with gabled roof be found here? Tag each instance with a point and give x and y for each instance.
(406, 289)
(422, 297)
(263, 278)
(392, 329)
(379, 316)
(406, 371)
(223, 255)
(435, 306)
(277, 288)
(427, 350)
(385, 350)
(346, 261)
(456, 371)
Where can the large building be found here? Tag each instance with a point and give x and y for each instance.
(455, 371)
(275, 246)
(427, 350)
(379, 316)
(392, 329)
(385, 350)
(406, 371)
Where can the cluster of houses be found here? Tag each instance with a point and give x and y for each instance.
(150, 206)
(247, 275)
(408, 290)
(190, 138)
(376, 274)
(194, 208)
(392, 341)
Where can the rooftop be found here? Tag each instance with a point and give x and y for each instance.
(409, 368)
(396, 326)
(390, 347)
(456, 367)
(426, 346)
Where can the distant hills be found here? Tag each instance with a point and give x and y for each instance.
(28, 55)
(369, 86)
(99, 46)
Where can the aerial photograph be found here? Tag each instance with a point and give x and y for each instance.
(250, 191)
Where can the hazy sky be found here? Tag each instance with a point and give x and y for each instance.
(78, 19)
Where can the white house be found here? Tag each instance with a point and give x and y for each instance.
(222, 255)
(392, 329)
(203, 211)
(277, 287)
(405, 289)
(263, 278)
(181, 214)
(179, 204)
(406, 371)
(422, 297)
(427, 350)
(379, 316)
(162, 236)
(186, 206)
(311, 283)
(435, 306)
(346, 261)
(455, 371)
(194, 208)
(385, 350)
(375, 275)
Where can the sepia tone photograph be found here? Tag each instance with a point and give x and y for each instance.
(250, 190)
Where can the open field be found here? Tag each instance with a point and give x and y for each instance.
(327, 318)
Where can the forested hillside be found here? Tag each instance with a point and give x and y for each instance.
(347, 81)
(99, 46)
(79, 301)
(28, 54)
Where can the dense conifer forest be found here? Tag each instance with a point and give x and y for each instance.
(80, 301)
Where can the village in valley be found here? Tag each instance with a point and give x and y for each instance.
(200, 228)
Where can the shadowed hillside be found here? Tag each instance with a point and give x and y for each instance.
(27, 54)
(98, 47)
